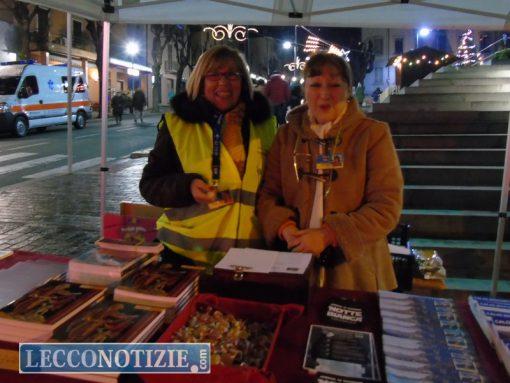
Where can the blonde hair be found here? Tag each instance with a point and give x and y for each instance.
(212, 59)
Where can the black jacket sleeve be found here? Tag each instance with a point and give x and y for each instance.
(163, 181)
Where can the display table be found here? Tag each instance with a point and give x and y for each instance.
(286, 362)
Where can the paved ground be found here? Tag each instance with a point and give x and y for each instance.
(60, 215)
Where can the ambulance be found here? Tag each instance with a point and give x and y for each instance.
(34, 96)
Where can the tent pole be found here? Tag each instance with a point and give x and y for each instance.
(502, 215)
(104, 118)
(69, 45)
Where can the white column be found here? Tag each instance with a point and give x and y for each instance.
(104, 117)
(69, 45)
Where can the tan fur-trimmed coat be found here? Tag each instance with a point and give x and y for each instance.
(363, 206)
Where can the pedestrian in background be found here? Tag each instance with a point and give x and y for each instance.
(278, 92)
(117, 104)
(333, 185)
(296, 95)
(139, 103)
(207, 162)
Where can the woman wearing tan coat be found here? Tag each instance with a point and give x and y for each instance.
(333, 184)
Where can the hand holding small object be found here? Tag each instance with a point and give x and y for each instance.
(202, 192)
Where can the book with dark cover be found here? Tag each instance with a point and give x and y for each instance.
(48, 305)
(108, 321)
(158, 283)
(341, 353)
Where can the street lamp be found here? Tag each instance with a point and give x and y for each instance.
(423, 32)
(132, 50)
(288, 45)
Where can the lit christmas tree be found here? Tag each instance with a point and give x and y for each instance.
(467, 49)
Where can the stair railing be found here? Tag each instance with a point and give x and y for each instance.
(479, 55)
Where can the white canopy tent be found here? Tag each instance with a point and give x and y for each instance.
(451, 14)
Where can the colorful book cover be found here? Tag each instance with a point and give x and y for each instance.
(424, 340)
(107, 321)
(49, 304)
(159, 279)
(135, 229)
(495, 304)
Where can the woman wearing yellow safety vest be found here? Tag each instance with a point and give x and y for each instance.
(208, 161)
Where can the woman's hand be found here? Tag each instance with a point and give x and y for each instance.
(288, 234)
(311, 241)
(202, 192)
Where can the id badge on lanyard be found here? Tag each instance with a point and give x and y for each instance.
(225, 197)
(329, 161)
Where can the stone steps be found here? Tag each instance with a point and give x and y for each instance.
(466, 259)
(452, 175)
(479, 106)
(443, 118)
(409, 141)
(448, 97)
(461, 74)
(459, 157)
(480, 69)
(454, 224)
(450, 133)
(456, 89)
(447, 197)
(435, 82)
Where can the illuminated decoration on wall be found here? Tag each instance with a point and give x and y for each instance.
(339, 52)
(314, 44)
(300, 65)
(467, 49)
(219, 32)
(418, 63)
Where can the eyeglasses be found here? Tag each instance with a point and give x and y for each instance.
(304, 160)
(229, 76)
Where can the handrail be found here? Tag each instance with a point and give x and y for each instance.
(494, 43)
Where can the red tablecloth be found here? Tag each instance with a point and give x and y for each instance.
(285, 365)
(20, 256)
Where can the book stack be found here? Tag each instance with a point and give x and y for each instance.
(35, 315)
(102, 267)
(127, 233)
(493, 316)
(107, 321)
(424, 341)
(122, 244)
(159, 285)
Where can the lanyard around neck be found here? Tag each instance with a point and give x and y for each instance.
(215, 165)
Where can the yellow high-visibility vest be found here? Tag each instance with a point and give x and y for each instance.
(198, 232)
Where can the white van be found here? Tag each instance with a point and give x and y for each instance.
(35, 96)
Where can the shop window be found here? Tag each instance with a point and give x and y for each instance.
(377, 45)
(399, 45)
(378, 75)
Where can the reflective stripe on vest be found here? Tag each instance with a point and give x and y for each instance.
(179, 214)
(204, 234)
